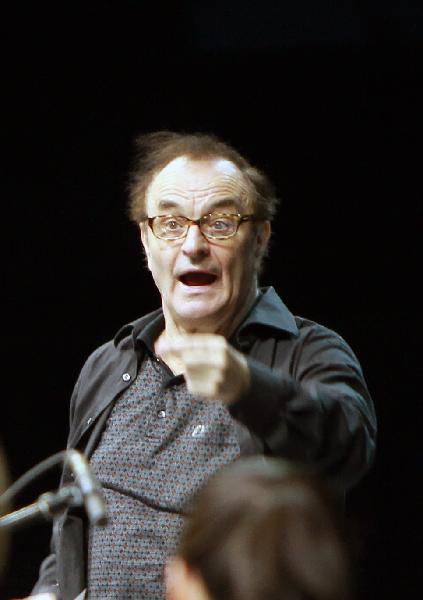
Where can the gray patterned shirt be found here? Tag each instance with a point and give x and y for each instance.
(159, 446)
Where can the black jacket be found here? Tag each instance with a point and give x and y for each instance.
(307, 401)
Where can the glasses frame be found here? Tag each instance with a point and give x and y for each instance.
(198, 222)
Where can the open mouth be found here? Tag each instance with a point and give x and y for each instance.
(197, 278)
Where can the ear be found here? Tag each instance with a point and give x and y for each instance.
(144, 240)
(263, 233)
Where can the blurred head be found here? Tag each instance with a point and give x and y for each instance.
(3, 486)
(204, 215)
(261, 530)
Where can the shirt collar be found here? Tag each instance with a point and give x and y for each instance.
(151, 332)
(146, 325)
(268, 312)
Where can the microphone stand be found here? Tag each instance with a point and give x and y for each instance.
(47, 506)
(86, 491)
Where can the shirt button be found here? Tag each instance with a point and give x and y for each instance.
(126, 377)
(89, 421)
(161, 414)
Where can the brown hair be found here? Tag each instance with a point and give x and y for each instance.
(263, 530)
(156, 150)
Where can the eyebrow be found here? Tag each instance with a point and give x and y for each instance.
(222, 203)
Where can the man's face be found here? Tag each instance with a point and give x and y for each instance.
(204, 283)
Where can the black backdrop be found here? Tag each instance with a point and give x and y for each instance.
(326, 97)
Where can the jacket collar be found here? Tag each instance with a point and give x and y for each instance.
(135, 327)
(268, 312)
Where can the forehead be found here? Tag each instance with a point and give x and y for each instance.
(184, 179)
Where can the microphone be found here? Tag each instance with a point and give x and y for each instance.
(89, 486)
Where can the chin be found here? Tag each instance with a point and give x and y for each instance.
(191, 312)
(197, 310)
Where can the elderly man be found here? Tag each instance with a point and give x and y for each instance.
(222, 370)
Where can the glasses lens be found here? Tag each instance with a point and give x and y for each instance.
(169, 227)
(219, 225)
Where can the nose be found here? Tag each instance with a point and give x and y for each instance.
(195, 245)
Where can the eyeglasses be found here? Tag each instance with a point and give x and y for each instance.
(216, 226)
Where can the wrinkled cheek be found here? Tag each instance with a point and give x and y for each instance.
(160, 280)
(237, 283)
(242, 267)
(156, 277)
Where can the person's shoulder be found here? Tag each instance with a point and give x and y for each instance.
(312, 331)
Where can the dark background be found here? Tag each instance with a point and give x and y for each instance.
(327, 98)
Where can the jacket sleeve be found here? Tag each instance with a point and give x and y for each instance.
(317, 411)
